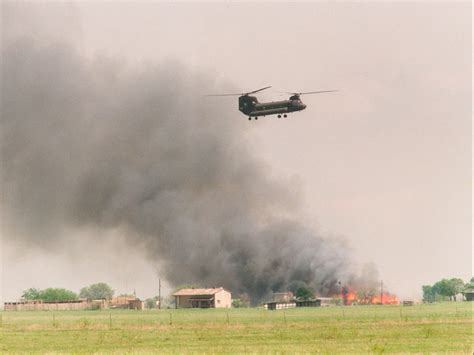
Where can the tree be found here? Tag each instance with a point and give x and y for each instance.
(31, 294)
(150, 303)
(304, 293)
(49, 295)
(58, 294)
(97, 291)
(444, 289)
(428, 293)
(456, 286)
(449, 288)
(441, 288)
(470, 284)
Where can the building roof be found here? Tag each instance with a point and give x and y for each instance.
(198, 291)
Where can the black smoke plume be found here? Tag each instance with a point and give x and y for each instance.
(91, 143)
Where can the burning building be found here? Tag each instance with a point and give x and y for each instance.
(385, 298)
(351, 297)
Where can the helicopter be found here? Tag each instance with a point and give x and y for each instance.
(251, 107)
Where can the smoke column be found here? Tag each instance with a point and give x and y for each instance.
(88, 143)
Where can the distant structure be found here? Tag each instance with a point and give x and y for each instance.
(136, 304)
(326, 301)
(30, 305)
(282, 296)
(285, 300)
(203, 298)
(469, 294)
(122, 302)
(292, 304)
(127, 302)
(279, 305)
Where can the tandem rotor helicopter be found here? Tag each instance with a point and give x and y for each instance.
(251, 107)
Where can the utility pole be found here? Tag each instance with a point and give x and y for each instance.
(159, 293)
(381, 291)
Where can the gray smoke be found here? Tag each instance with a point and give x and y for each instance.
(88, 143)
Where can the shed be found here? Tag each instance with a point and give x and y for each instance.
(325, 301)
(136, 304)
(203, 298)
(469, 294)
(271, 306)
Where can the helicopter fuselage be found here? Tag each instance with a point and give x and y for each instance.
(250, 106)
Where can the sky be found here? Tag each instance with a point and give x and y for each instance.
(384, 163)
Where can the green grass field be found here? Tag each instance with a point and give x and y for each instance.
(440, 328)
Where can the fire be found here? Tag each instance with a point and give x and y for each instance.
(385, 298)
(349, 296)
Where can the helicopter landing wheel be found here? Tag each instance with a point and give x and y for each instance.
(250, 118)
(256, 117)
(284, 115)
(279, 116)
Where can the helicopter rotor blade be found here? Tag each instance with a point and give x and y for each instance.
(226, 95)
(253, 92)
(241, 94)
(316, 92)
(305, 93)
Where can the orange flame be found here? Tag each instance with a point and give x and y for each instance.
(349, 296)
(385, 298)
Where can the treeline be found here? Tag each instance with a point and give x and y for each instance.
(445, 289)
(95, 291)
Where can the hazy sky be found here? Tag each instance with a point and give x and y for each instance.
(385, 162)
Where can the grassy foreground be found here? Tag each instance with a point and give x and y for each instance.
(440, 328)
